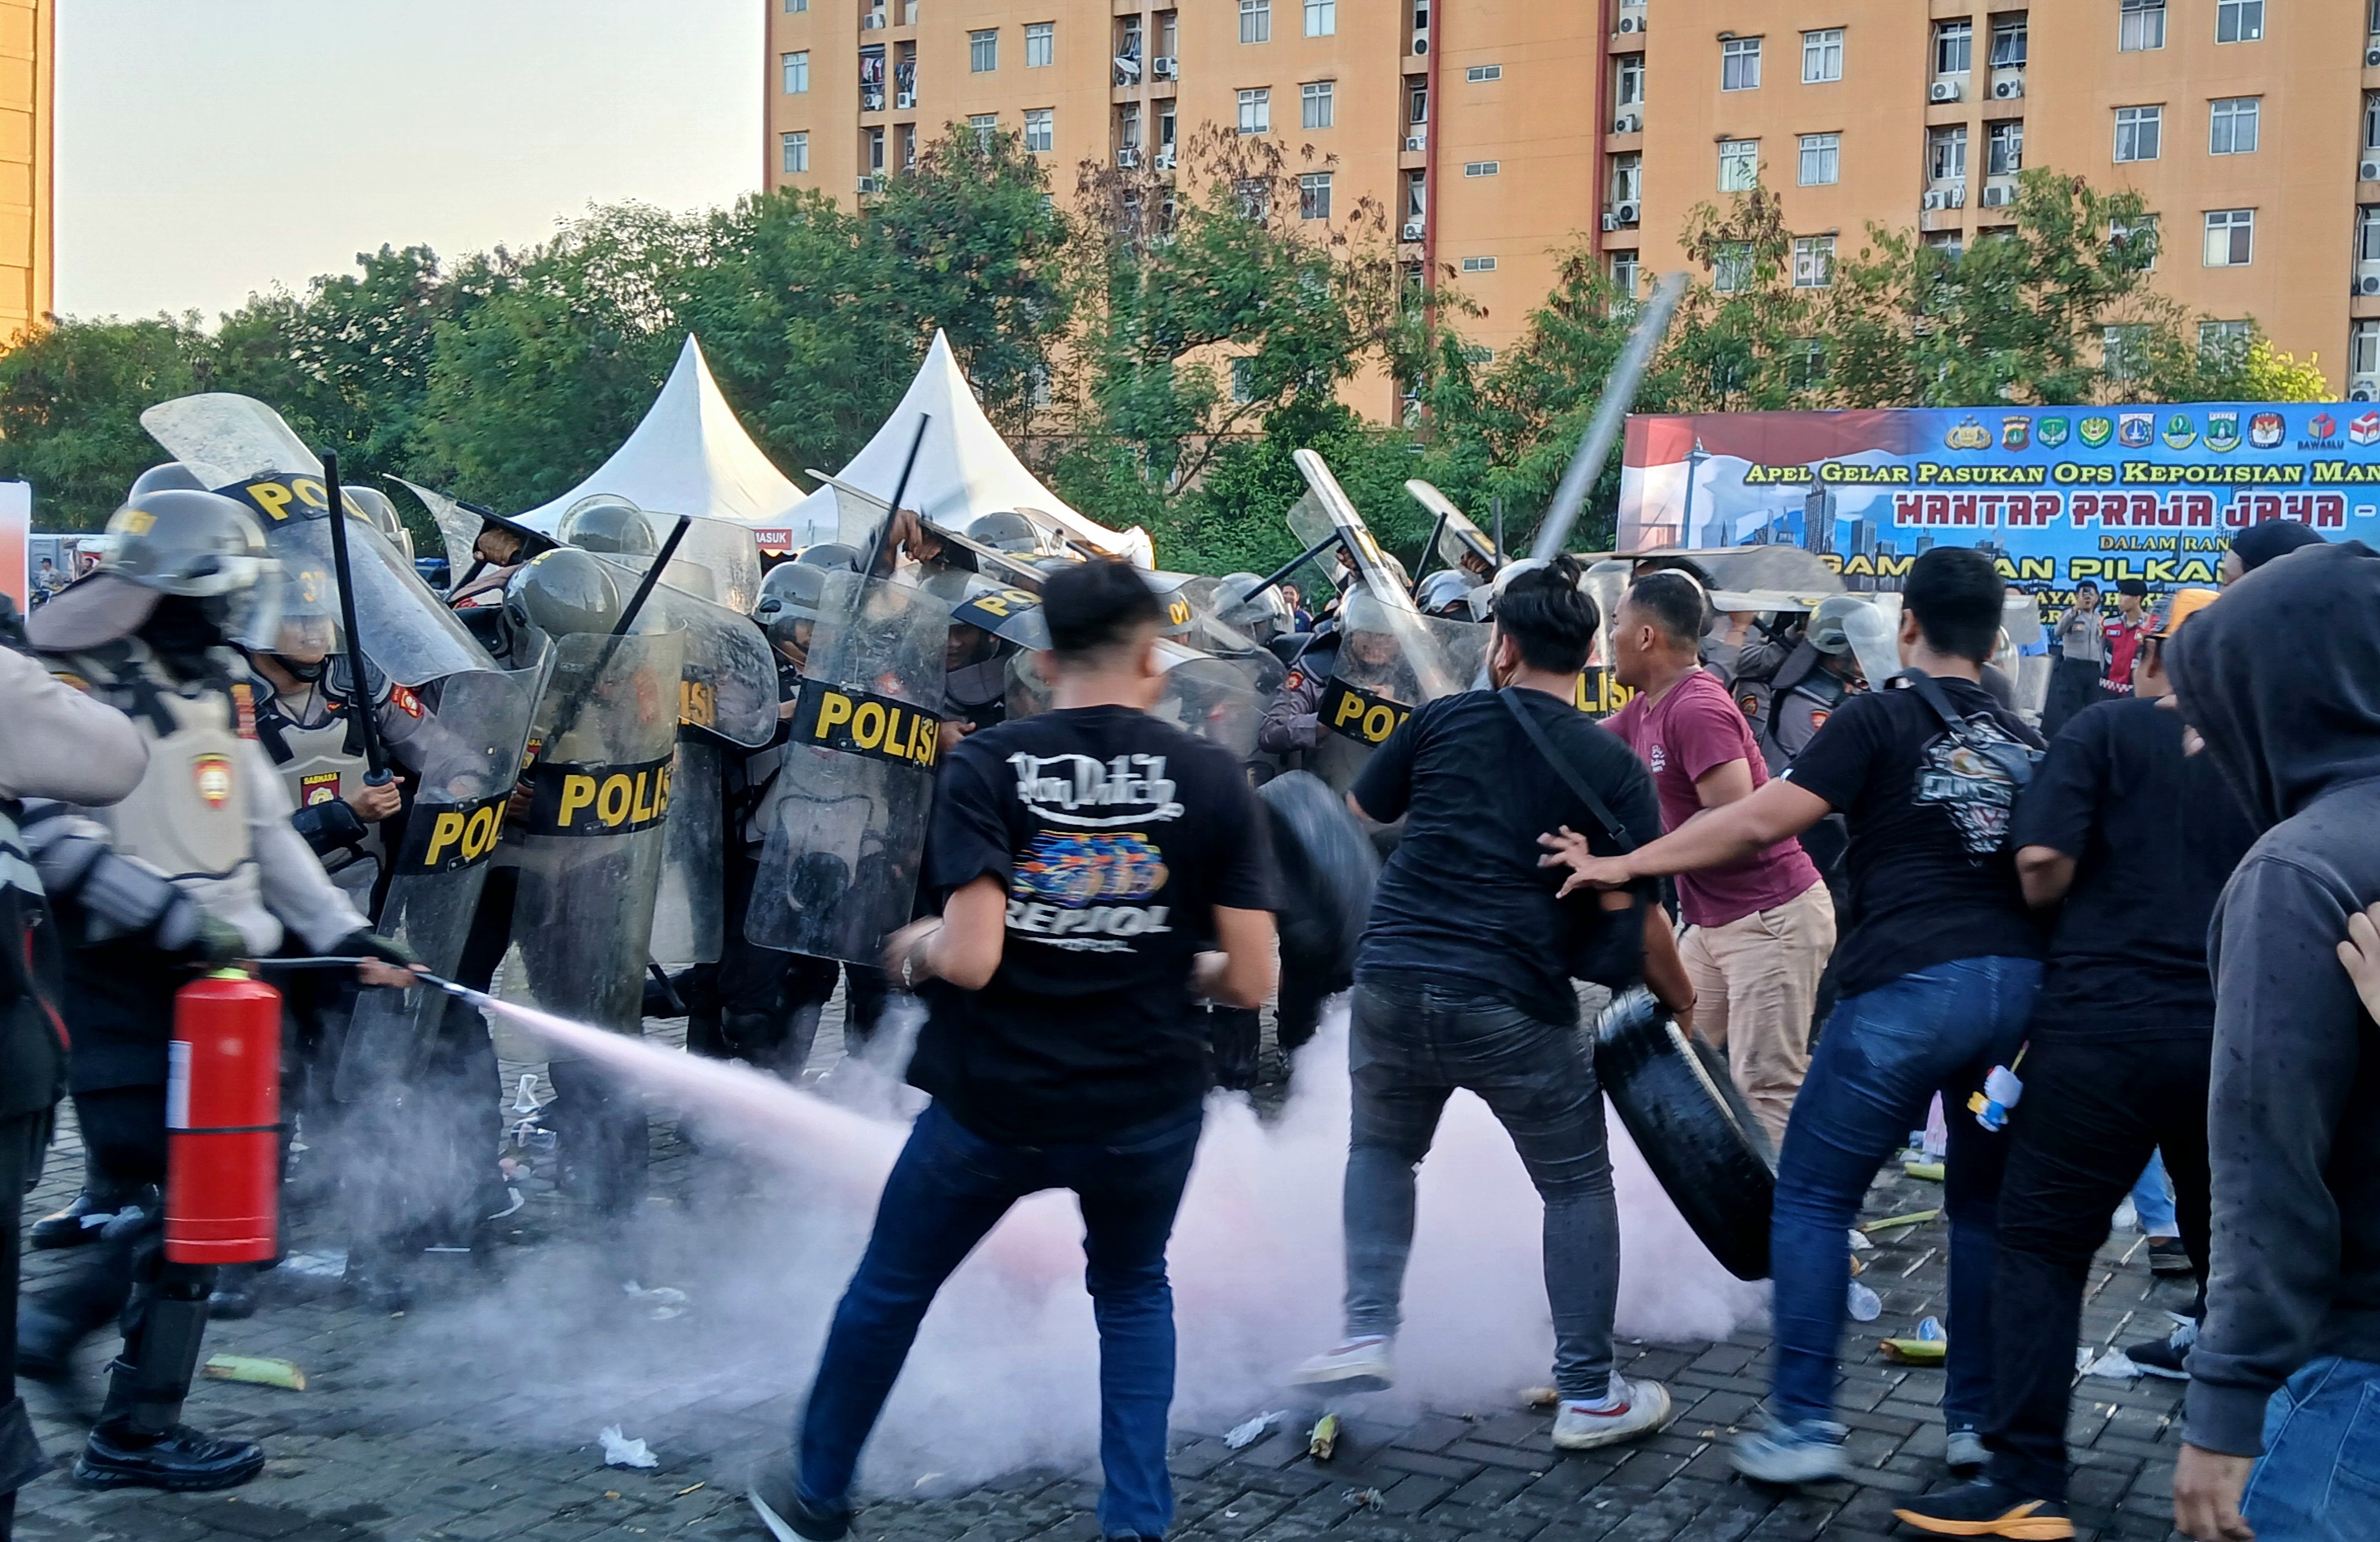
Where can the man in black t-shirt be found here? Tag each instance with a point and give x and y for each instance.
(1462, 980)
(1937, 969)
(1099, 871)
(2137, 838)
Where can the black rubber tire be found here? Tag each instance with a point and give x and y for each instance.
(1697, 1135)
(1328, 868)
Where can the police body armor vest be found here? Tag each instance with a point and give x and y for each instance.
(1807, 693)
(189, 817)
(321, 763)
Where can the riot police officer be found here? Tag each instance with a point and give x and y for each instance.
(64, 745)
(184, 573)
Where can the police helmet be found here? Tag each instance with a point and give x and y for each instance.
(560, 593)
(1005, 530)
(1261, 614)
(1445, 590)
(830, 554)
(1827, 633)
(192, 545)
(790, 595)
(380, 512)
(170, 476)
(600, 522)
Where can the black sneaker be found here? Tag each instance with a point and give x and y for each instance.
(788, 1516)
(181, 1461)
(2167, 1356)
(1988, 1509)
(78, 1223)
(2168, 1258)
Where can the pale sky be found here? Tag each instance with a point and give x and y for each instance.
(210, 148)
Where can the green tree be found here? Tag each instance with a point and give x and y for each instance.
(71, 398)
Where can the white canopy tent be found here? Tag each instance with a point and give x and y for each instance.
(690, 455)
(964, 468)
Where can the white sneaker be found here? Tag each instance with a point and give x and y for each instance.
(1643, 1407)
(1357, 1366)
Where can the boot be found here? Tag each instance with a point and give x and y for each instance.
(79, 1222)
(140, 1441)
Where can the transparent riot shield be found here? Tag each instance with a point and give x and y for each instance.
(1010, 614)
(716, 560)
(1871, 629)
(1599, 692)
(1462, 544)
(459, 528)
(1223, 699)
(472, 745)
(730, 686)
(1325, 510)
(1389, 662)
(593, 838)
(691, 917)
(846, 818)
(241, 447)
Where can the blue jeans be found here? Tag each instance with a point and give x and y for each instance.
(2153, 1201)
(2319, 1478)
(1883, 1056)
(949, 1189)
(1409, 1048)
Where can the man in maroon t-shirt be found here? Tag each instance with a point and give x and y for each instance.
(1761, 930)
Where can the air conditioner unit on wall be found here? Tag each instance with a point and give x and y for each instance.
(1412, 232)
(1628, 123)
(1957, 195)
(871, 184)
(1416, 143)
(2368, 170)
(1632, 23)
(1629, 210)
(2367, 278)
(2371, 58)
(2363, 388)
(1610, 222)
(2007, 90)
(1933, 200)
(1943, 91)
(1999, 197)
(1128, 156)
(1421, 43)
(1164, 68)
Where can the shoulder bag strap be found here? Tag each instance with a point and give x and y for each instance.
(1510, 696)
(1931, 694)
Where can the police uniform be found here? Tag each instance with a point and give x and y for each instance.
(145, 890)
(1292, 723)
(314, 739)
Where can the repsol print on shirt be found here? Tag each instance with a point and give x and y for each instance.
(1084, 880)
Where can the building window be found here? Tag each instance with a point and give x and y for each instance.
(2230, 237)
(1477, 355)
(1040, 129)
(2232, 127)
(792, 6)
(1165, 126)
(2123, 350)
(2371, 117)
(1040, 45)
(983, 51)
(2367, 233)
(1479, 264)
(908, 13)
(798, 73)
(1629, 77)
(1948, 242)
(2223, 341)
(2141, 26)
(1813, 261)
(2239, 20)
(2004, 148)
(1256, 20)
(1256, 110)
(874, 149)
(1954, 47)
(1316, 105)
(908, 147)
(1739, 166)
(1321, 18)
(797, 150)
(985, 126)
(1732, 266)
(1482, 168)
(1739, 64)
(1478, 73)
(2144, 230)
(1946, 154)
(1805, 367)
(1822, 56)
(1627, 178)
(2363, 349)
(2009, 43)
(1314, 195)
(2140, 133)
(1821, 159)
(1244, 380)
(1419, 106)
(1623, 275)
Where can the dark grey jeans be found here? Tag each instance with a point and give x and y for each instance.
(1409, 1048)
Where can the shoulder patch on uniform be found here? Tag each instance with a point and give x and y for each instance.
(243, 701)
(405, 700)
(67, 678)
(1295, 679)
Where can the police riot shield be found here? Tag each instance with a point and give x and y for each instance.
(1007, 611)
(459, 528)
(730, 685)
(241, 447)
(690, 918)
(716, 560)
(1461, 545)
(1390, 661)
(1871, 629)
(1599, 694)
(1218, 699)
(846, 818)
(1325, 510)
(472, 748)
(592, 839)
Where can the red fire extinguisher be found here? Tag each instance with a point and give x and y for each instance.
(223, 1121)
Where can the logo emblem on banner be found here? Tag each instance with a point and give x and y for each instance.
(2181, 433)
(212, 775)
(2136, 431)
(2015, 432)
(1968, 435)
(2096, 431)
(2222, 432)
(2265, 431)
(2364, 430)
(2322, 426)
(2050, 433)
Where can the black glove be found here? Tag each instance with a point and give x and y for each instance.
(371, 944)
(218, 942)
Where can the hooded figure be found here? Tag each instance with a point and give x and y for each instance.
(2281, 677)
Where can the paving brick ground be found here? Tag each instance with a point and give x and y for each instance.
(407, 1432)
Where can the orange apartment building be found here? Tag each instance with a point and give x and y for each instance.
(1505, 133)
(28, 125)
